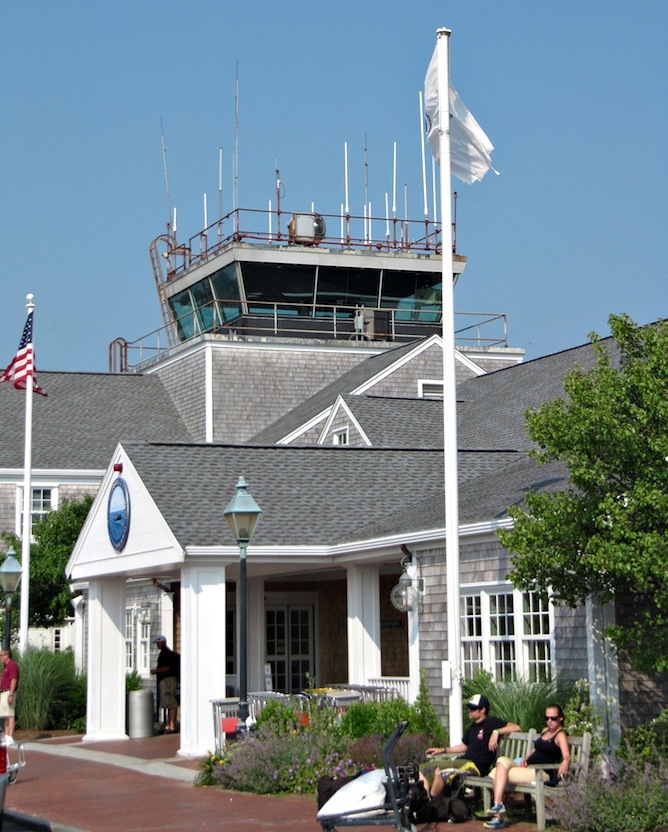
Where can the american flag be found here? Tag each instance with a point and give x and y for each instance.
(22, 366)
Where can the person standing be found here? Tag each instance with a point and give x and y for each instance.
(9, 682)
(479, 744)
(167, 673)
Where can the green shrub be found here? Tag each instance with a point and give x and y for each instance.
(633, 799)
(268, 762)
(133, 681)
(581, 716)
(367, 718)
(518, 700)
(648, 742)
(53, 694)
(424, 719)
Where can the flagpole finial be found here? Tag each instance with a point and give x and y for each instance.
(30, 305)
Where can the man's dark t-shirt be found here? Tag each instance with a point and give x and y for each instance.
(476, 740)
(168, 658)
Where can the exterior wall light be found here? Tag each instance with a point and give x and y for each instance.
(406, 593)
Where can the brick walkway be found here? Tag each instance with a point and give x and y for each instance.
(142, 785)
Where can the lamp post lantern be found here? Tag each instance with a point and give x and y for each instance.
(242, 514)
(10, 577)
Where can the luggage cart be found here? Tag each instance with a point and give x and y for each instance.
(376, 798)
(14, 768)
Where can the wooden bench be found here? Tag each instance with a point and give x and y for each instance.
(520, 745)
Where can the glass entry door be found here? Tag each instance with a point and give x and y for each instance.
(290, 651)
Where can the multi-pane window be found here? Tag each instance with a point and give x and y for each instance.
(507, 633)
(43, 500)
(340, 437)
(129, 641)
(137, 642)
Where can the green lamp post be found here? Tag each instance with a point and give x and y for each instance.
(10, 577)
(242, 514)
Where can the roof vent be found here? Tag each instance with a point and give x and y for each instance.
(306, 229)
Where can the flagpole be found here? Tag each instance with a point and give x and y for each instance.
(453, 677)
(27, 506)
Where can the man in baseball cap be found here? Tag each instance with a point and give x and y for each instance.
(477, 750)
(167, 671)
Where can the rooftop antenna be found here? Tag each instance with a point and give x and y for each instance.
(367, 212)
(236, 151)
(345, 176)
(164, 163)
(394, 195)
(279, 186)
(220, 193)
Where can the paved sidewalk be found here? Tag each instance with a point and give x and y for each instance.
(141, 785)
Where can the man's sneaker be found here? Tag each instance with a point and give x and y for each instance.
(9, 740)
(494, 823)
(496, 809)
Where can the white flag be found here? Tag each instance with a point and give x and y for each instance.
(470, 148)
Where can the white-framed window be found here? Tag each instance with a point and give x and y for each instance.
(430, 388)
(44, 499)
(129, 640)
(340, 437)
(137, 642)
(507, 633)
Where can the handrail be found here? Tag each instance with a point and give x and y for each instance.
(400, 235)
(283, 319)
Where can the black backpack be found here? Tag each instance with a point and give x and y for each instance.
(442, 809)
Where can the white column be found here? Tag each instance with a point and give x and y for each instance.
(105, 714)
(202, 654)
(363, 623)
(603, 669)
(257, 648)
(79, 633)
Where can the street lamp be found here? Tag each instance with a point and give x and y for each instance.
(242, 514)
(10, 577)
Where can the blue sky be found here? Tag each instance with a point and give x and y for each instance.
(572, 94)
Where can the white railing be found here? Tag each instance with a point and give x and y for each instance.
(399, 683)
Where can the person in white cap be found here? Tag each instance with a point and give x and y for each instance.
(477, 750)
(167, 672)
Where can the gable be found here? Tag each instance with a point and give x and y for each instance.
(150, 542)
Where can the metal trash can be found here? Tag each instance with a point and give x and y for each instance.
(140, 713)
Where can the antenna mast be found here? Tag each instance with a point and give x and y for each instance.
(164, 163)
(220, 193)
(236, 152)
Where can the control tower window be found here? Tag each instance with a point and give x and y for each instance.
(226, 292)
(417, 296)
(288, 288)
(181, 307)
(347, 288)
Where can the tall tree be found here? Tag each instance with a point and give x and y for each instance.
(54, 538)
(607, 535)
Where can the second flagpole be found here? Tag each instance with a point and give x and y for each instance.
(452, 676)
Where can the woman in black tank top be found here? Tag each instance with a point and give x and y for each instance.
(550, 747)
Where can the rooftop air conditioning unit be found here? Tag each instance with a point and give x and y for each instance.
(306, 229)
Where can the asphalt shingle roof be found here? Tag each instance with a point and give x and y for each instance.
(83, 418)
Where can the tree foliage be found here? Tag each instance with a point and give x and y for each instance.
(54, 538)
(608, 534)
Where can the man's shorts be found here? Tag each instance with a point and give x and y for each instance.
(447, 766)
(168, 692)
(7, 708)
